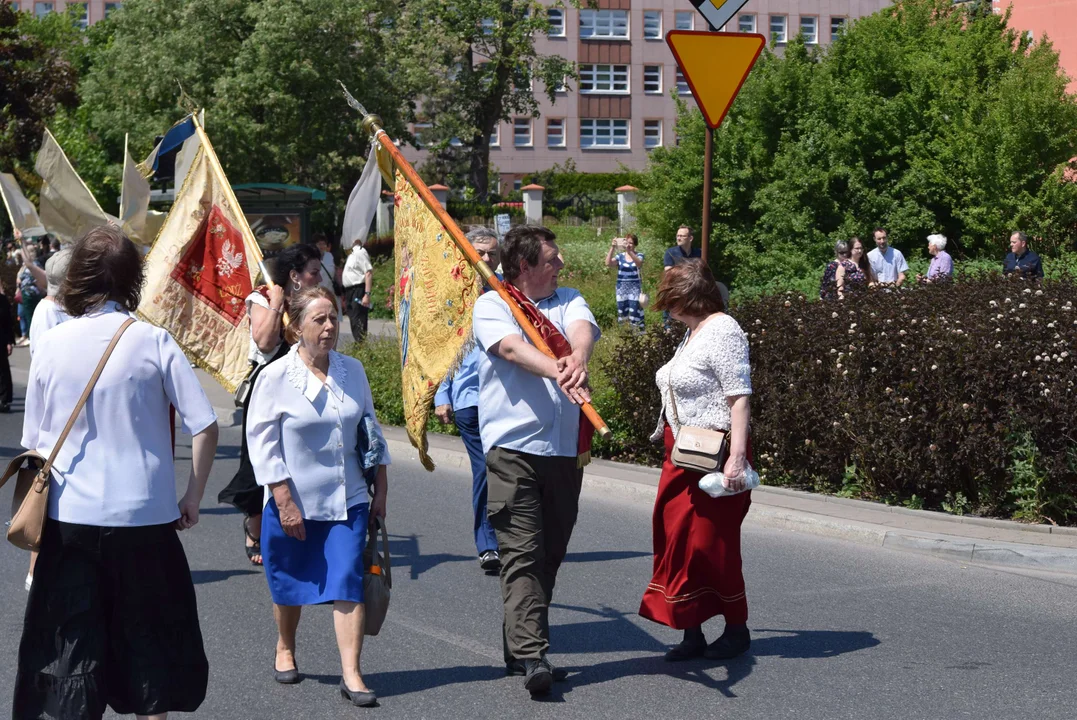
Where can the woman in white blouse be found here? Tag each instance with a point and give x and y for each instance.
(302, 432)
(697, 564)
(294, 269)
(111, 617)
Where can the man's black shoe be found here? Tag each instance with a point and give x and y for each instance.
(490, 561)
(733, 642)
(686, 650)
(516, 667)
(537, 677)
(5, 408)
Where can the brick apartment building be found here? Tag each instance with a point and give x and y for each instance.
(92, 10)
(621, 107)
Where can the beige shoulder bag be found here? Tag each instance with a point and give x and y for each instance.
(695, 448)
(30, 505)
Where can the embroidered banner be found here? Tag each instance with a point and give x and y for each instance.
(433, 297)
(198, 275)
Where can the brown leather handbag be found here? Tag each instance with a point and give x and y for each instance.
(697, 449)
(378, 578)
(30, 505)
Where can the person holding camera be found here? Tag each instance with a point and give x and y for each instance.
(629, 283)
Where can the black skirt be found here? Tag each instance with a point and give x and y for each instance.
(243, 492)
(111, 620)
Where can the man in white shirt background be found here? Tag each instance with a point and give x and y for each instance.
(529, 420)
(887, 262)
(358, 281)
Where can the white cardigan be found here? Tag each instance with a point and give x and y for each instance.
(703, 373)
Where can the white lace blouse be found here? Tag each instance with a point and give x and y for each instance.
(703, 373)
(304, 432)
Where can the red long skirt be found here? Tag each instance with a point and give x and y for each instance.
(697, 568)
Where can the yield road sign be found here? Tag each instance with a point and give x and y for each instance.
(718, 12)
(715, 66)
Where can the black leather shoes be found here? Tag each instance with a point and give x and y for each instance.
(734, 642)
(286, 677)
(358, 697)
(516, 667)
(538, 676)
(686, 650)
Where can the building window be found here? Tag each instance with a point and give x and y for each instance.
(652, 24)
(777, 28)
(83, 20)
(518, 184)
(652, 78)
(555, 132)
(488, 26)
(557, 22)
(746, 23)
(684, 20)
(682, 84)
(521, 132)
(837, 26)
(495, 136)
(112, 7)
(603, 133)
(652, 134)
(603, 78)
(41, 9)
(604, 24)
(809, 28)
(418, 130)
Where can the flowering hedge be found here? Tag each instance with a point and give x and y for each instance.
(957, 397)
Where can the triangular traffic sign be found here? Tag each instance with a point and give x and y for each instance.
(715, 66)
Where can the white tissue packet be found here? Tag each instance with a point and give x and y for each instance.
(714, 484)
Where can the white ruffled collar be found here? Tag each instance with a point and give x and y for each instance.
(303, 380)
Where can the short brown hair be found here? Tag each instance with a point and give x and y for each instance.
(523, 242)
(105, 265)
(689, 289)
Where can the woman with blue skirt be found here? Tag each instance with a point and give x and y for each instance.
(302, 432)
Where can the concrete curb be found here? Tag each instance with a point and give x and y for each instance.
(641, 484)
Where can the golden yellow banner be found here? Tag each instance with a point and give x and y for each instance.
(433, 297)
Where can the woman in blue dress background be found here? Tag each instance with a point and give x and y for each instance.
(302, 432)
(629, 284)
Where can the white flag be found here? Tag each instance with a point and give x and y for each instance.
(134, 202)
(20, 211)
(68, 208)
(362, 203)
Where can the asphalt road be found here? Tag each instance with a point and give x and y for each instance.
(839, 630)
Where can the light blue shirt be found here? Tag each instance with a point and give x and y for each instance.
(462, 389)
(887, 265)
(303, 431)
(519, 410)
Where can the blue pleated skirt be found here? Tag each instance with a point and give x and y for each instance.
(324, 568)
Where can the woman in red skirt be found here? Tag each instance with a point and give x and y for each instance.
(697, 565)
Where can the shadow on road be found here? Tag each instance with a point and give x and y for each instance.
(404, 551)
(605, 555)
(805, 644)
(403, 682)
(203, 577)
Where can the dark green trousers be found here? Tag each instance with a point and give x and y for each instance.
(532, 502)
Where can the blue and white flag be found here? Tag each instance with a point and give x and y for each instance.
(180, 135)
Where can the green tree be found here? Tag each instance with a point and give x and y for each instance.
(266, 72)
(474, 64)
(924, 117)
(36, 79)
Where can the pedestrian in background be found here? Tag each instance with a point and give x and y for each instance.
(697, 562)
(111, 618)
(682, 251)
(303, 432)
(629, 284)
(296, 268)
(887, 262)
(1021, 260)
(841, 274)
(858, 256)
(49, 314)
(7, 345)
(457, 399)
(358, 281)
(942, 265)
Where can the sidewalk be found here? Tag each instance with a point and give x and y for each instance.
(964, 539)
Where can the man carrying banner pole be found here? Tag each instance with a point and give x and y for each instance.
(537, 339)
